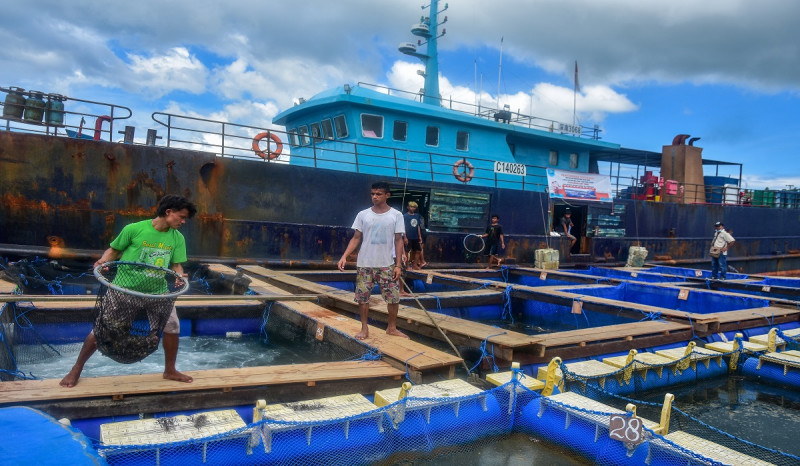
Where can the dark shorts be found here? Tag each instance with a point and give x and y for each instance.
(493, 250)
(414, 245)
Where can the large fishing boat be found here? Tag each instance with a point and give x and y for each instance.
(272, 194)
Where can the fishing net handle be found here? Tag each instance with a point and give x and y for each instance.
(169, 274)
(483, 243)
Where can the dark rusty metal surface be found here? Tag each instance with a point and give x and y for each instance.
(66, 194)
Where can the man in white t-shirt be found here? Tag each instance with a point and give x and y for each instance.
(379, 231)
(723, 241)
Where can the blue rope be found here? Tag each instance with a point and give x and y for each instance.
(504, 273)
(486, 355)
(406, 364)
(265, 320)
(507, 304)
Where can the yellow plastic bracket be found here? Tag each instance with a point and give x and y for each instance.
(404, 390)
(737, 348)
(686, 361)
(550, 379)
(260, 405)
(628, 371)
(771, 346)
(666, 411)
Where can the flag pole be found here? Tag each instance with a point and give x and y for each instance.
(575, 97)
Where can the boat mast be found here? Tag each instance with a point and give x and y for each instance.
(428, 28)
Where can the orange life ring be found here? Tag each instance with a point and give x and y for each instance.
(270, 154)
(468, 174)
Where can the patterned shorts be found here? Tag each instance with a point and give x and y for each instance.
(369, 276)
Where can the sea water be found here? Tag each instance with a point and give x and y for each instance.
(194, 353)
(765, 414)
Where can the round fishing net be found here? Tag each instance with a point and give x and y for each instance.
(474, 243)
(133, 306)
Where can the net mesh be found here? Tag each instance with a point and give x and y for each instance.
(454, 430)
(132, 308)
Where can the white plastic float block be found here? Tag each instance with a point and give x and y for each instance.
(170, 429)
(501, 378)
(445, 389)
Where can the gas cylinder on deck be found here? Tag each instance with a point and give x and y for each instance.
(34, 107)
(14, 104)
(55, 109)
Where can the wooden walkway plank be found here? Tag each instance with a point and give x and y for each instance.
(400, 351)
(7, 287)
(408, 317)
(18, 392)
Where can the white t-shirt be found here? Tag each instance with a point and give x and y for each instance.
(377, 242)
(722, 239)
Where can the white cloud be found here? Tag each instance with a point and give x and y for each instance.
(175, 69)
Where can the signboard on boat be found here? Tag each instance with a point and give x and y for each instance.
(510, 168)
(564, 184)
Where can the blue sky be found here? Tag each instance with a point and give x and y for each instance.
(726, 71)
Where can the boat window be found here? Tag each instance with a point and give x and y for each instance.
(303, 132)
(316, 133)
(293, 137)
(341, 126)
(371, 126)
(573, 160)
(462, 140)
(400, 131)
(432, 136)
(327, 128)
(553, 157)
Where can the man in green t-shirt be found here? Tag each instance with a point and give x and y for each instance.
(155, 242)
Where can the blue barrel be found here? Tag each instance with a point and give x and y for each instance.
(34, 107)
(55, 109)
(14, 104)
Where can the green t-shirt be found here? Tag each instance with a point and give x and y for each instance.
(140, 242)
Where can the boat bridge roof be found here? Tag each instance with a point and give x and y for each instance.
(644, 158)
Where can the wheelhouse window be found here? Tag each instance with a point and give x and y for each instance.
(553, 157)
(302, 131)
(432, 136)
(327, 128)
(462, 140)
(341, 126)
(371, 126)
(293, 137)
(400, 131)
(573, 160)
(316, 133)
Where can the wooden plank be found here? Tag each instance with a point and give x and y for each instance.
(72, 301)
(408, 317)
(610, 332)
(18, 392)
(758, 313)
(402, 351)
(7, 287)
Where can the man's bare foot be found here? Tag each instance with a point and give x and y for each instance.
(178, 376)
(362, 335)
(71, 379)
(423, 264)
(396, 333)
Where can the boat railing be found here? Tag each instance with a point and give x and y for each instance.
(233, 140)
(56, 114)
(503, 115)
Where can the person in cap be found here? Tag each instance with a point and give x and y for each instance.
(720, 244)
(566, 227)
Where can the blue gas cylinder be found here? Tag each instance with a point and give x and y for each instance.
(14, 104)
(55, 109)
(34, 107)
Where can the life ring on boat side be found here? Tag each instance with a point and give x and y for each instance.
(468, 174)
(270, 154)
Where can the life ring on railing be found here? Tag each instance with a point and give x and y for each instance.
(468, 174)
(270, 154)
